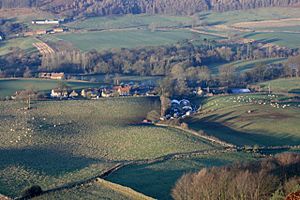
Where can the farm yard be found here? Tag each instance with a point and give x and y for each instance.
(92, 138)
(249, 119)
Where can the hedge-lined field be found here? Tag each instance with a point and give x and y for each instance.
(57, 142)
(250, 119)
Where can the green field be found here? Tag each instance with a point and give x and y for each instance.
(291, 40)
(124, 39)
(8, 87)
(157, 179)
(260, 14)
(244, 65)
(99, 189)
(22, 43)
(127, 21)
(290, 85)
(59, 142)
(228, 118)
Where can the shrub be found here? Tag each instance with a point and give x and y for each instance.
(33, 191)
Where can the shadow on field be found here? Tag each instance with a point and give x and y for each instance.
(50, 161)
(211, 126)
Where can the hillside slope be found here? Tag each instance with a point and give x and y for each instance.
(109, 7)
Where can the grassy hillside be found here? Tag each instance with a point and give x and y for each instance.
(290, 85)
(249, 119)
(157, 179)
(22, 43)
(127, 21)
(126, 38)
(89, 135)
(99, 189)
(9, 86)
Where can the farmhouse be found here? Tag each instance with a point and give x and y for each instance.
(73, 94)
(59, 93)
(107, 93)
(54, 76)
(90, 93)
(123, 90)
(46, 22)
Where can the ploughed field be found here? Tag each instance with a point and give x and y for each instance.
(57, 142)
(250, 119)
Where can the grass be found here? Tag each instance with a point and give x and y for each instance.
(124, 39)
(91, 191)
(22, 43)
(260, 14)
(268, 124)
(291, 40)
(9, 86)
(58, 142)
(289, 85)
(244, 65)
(157, 179)
(127, 21)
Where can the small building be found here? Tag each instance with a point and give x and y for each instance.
(46, 21)
(107, 93)
(54, 76)
(59, 93)
(90, 93)
(123, 90)
(73, 94)
(239, 91)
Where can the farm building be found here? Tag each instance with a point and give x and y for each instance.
(123, 90)
(59, 93)
(46, 21)
(239, 91)
(107, 93)
(73, 94)
(90, 93)
(54, 76)
(180, 109)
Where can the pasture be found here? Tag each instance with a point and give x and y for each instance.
(245, 65)
(89, 135)
(8, 87)
(249, 119)
(99, 189)
(157, 179)
(25, 44)
(105, 40)
(129, 21)
(288, 85)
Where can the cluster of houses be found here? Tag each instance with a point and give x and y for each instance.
(105, 91)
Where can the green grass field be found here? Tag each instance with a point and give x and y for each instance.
(157, 179)
(58, 142)
(290, 85)
(124, 39)
(291, 40)
(99, 189)
(22, 43)
(260, 14)
(242, 65)
(270, 123)
(127, 21)
(8, 87)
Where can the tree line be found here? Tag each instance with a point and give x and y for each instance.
(272, 178)
(117, 7)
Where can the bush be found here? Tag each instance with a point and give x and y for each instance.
(33, 191)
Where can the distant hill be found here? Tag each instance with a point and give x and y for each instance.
(110, 7)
